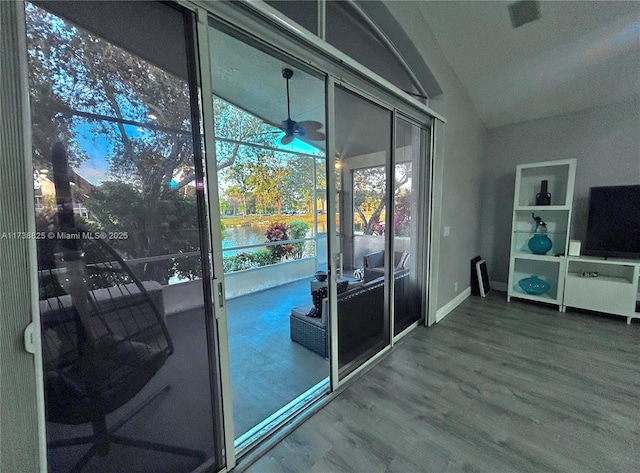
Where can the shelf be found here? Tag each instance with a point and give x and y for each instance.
(532, 232)
(517, 292)
(601, 260)
(533, 208)
(560, 176)
(608, 271)
(531, 256)
(603, 278)
(613, 291)
(547, 268)
(557, 220)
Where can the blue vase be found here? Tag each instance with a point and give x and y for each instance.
(534, 285)
(540, 244)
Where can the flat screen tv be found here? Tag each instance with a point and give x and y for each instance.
(613, 228)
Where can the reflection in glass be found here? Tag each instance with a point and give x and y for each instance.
(128, 383)
(363, 145)
(408, 291)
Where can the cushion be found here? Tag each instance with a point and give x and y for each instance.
(401, 260)
(301, 312)
(374, 260)
(319, 294)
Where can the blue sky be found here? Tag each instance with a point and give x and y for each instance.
(96, 168)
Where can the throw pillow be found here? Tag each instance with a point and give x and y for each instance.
(317, 297)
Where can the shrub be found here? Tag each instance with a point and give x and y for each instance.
(250, 260)
(264, 257)
(279, 231)
(299, 229)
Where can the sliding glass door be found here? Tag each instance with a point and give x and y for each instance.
(131, 369)
(410, 223)
(363, 186)
(269, 125)
(381, 216)
(188, 304)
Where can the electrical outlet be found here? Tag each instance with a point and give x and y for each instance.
(447, 230)
(455, 286)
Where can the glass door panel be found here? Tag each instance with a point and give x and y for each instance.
(408, 237)
(363, 154)
(128, 335)
(271, 172)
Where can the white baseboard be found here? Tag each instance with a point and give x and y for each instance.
(499, 286)
(443, 311)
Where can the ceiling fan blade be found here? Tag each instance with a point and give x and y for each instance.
(286, 139)
(309, 125)
(314, 135)
(309, 129)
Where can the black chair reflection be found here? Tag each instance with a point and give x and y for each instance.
(104, 338)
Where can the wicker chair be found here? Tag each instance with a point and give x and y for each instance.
(308, 323)
(103, 335)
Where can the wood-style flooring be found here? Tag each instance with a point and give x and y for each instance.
(493, 387)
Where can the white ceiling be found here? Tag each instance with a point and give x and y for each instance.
(578, 55)
(252, 80)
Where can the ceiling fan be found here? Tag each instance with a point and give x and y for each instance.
(292, 129)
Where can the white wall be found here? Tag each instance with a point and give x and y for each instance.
(605, 142)
(464, 157)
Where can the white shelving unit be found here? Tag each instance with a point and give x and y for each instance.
(551, 267)
(615, 289)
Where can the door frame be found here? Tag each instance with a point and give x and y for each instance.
(215, 230)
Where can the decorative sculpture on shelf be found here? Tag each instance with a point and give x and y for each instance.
(539, 243)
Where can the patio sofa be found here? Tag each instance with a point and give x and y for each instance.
(358, 322)
(374, 264)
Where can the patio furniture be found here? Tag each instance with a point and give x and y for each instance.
(358, 325)
(374, 264)
(100, 346)
(311, 332)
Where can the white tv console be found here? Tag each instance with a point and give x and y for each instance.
(611, 286)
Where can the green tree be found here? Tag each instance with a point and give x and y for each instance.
(119, 207)
(83, 87)
(299, 185)
(369, 193)
(369, 196)
(268, 178)
(237, 198)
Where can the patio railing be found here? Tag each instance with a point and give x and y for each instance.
(186, 292)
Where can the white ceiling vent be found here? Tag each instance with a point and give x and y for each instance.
(523, 12)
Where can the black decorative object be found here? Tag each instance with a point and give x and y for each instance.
(475, 287)
(543, 197)
(320, 275)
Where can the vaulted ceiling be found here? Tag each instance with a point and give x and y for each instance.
(578, 55)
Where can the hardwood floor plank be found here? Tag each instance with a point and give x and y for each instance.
(494, 387)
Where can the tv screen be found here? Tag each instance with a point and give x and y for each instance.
(613, 228)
